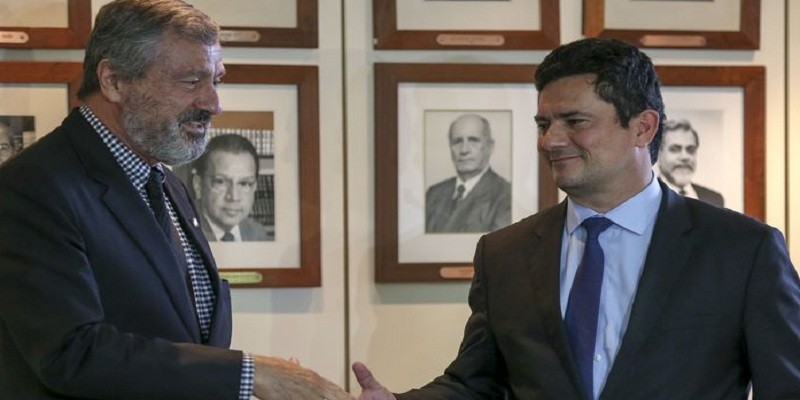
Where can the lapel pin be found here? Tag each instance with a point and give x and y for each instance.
(194, 222)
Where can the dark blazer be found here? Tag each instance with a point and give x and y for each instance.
(709, 196)
(718, 305)
(93, 302)
(486, 208)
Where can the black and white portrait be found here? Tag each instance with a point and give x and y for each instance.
(16, 132)
(467, 171)
(677, 161)
(232, 185)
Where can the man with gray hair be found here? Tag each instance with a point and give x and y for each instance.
(477, 199)
(677, 161)
(108, 288)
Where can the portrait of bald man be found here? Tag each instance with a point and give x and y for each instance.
(476, 199)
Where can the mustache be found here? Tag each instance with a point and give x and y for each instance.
(196, 115)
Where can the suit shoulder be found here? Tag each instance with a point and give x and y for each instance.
(723, 220)
(524, 228)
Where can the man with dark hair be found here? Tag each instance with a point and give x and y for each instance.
(108, 289)
(225, 180)
(625, 290)
(677, 160)
(477, 199)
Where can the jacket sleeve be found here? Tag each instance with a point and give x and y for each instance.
(772, 322)
(52, 319)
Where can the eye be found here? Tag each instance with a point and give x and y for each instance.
(573, 122)
(542, 126)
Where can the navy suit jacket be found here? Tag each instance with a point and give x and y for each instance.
(717, 306)
(487, 207)
(93, 302)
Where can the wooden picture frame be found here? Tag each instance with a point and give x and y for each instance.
(304, 35)
(306, 81)
(747, 37)
(751, 81)
(388, 80)
(386, 34)
(69, 73)
(74, 36)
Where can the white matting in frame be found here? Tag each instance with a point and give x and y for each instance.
(285, 250)
(510, 15)
(717, 15)
(251, 13)
(47, 103)
(717, 114)
(414, 245)
(34, 13)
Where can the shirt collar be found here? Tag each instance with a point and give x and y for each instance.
(470, 183)
(635, 214)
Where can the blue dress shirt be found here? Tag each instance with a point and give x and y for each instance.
(625, 246)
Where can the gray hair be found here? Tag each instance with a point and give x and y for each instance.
(128, 33)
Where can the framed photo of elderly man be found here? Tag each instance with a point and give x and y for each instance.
(700, 24)
(27, 24)
(34, 97)
(712, 146)
(270, 124)
(439, 127)
(265, 23)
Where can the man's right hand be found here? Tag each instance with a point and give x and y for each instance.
(371, 389)
(276, 378)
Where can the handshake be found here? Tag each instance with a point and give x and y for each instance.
(276, 378)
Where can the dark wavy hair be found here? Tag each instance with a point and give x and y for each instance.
(626, 77)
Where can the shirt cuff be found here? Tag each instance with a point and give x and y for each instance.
(248, 374)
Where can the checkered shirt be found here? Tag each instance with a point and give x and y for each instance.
(138, 171)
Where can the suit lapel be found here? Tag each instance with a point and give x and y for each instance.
(544, 257)
(125, 203)
(666, 258)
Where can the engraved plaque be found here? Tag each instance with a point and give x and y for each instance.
(242, 277)
(456, 272)
(452, 39)
(13, 37)
(673, 40)
(227, 35)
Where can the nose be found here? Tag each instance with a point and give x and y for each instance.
(552, 138)
(209, 100)
(232, 192)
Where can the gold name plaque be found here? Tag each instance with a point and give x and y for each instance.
(454, 39)
(14, 37)
(456, 272)
(673, 40)
(227, 35)
(242, 277)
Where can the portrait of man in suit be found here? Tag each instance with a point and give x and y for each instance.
(225, 180)
(476, 199)
(677, 162)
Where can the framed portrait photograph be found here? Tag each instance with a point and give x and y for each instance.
(265, 23)
(34, 99)
(701, 24)
(46, 24)
(465, 24)
(712, 147)
(455, 158)
(257, 185)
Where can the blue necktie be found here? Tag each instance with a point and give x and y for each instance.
(584, 302)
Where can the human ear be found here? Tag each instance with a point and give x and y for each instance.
(110, 84)
(645, 125)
